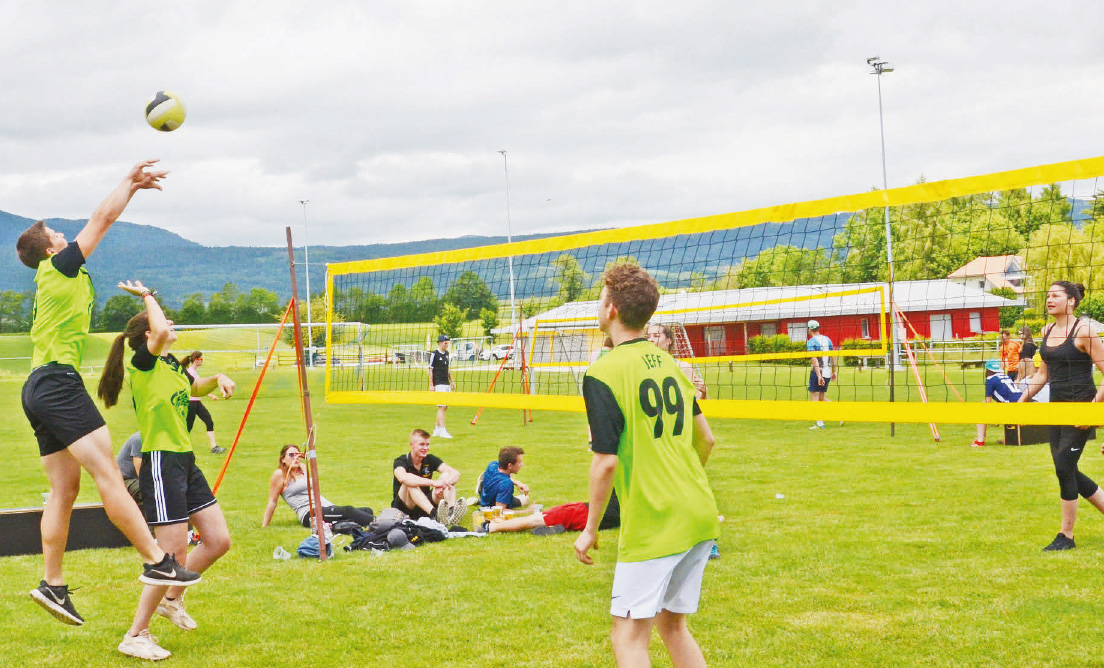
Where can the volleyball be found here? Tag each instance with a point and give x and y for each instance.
(165, 112)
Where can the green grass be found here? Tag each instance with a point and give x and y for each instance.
(880, 552)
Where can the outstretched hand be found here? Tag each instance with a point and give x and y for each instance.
(135, 288)
(226, 386)
(141, 179)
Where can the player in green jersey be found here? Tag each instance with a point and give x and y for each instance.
(71, 433)
(174, 490)
(650, 443)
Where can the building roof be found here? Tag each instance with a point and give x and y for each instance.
(785, 303)
(988, 265)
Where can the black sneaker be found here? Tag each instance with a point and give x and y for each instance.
(218, 450)
(57, 602)
(548, 531)
(1060, 542)
(169, 573)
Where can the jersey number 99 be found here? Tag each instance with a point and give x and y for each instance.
(655, 402)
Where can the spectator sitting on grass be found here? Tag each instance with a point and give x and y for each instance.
(415, 492)
(496, 484)
(1000, 387)
(557, 519)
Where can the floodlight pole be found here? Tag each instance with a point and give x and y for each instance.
(880, 67)
(509, 240)
(311, 455)
(306, 264)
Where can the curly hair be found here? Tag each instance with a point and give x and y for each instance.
(634, 292)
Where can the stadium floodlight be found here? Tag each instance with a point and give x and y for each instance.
(880, 67)
(306, 263)
(509, 239)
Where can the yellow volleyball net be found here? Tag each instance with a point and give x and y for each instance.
(752, 296)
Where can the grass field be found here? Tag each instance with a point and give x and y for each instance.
(840, 548)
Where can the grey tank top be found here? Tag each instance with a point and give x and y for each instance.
(297, 497)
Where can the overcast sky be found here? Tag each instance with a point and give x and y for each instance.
(388, 116)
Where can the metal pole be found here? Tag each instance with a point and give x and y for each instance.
(306, 264)
(311, 454)
(509, 240)
(879, 68)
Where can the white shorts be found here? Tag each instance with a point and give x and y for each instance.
(442, 388)
(642, 589)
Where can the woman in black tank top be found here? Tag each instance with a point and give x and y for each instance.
(1069, 350)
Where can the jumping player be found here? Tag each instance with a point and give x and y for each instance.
(174, 491)
(650, 443)
(71, 433)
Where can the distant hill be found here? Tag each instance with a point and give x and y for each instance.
(178, 267)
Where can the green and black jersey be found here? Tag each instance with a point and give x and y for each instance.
(62, 308)
(641, 407)
(161, 389)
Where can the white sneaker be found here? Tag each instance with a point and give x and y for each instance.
(143, 646)
(174, 611)
(457, 512)
(444, 433)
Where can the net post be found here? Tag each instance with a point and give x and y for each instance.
(311, 455)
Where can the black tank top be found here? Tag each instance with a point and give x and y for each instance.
(1069, 370)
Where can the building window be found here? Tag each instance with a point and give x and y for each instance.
(866, 328)
(768, 329)
(981, 284)
(799, 331)
(975, 322)
(715, 344)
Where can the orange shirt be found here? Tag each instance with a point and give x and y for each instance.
(1010, 354)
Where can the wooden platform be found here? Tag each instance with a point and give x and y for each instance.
(89, 527)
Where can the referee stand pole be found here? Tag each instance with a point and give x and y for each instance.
(304, 390)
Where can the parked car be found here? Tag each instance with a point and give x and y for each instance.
(498, 352)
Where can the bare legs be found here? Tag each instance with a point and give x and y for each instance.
(630, 638)
(93, 453)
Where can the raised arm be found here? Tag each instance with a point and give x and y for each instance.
(113, 205)
(159, 328)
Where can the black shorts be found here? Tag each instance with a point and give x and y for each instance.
(173, 487)
(58, 407)
(416, 512)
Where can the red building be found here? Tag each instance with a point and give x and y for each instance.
(721, 322)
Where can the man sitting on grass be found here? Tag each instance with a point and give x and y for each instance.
(416, 492)
(1000, 387)
(557, 519)
(496, 485)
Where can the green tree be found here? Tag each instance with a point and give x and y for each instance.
(399, 307)
(489, 319)
(220, 309)
(1061, 252)
(194, 310)
(471, 295)
(423, 300)
(14, 316)
(450, 320)
(1009, 315)
(570, 278)
(259, 306)
(777, 266)
(1093, 306)
(117, 311)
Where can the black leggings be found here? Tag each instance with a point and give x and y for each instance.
(1066, 445)
(362, 516)
(196, 408)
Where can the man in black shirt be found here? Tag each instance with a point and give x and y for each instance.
(416, 492)
(440, 380)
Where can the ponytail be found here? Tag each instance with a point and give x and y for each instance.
(111, 382)
(112, 379)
